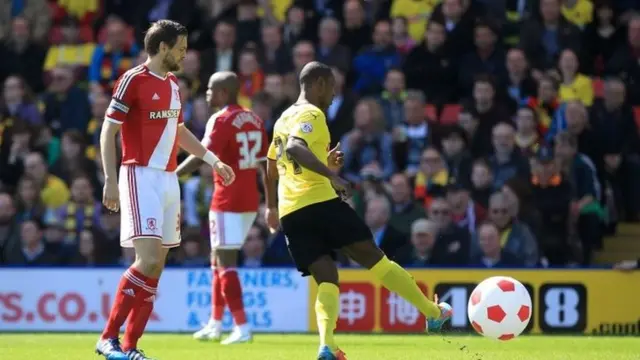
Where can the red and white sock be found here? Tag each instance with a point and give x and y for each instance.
(139, 316)
(132, 289)
(217, 300)
(232, 292)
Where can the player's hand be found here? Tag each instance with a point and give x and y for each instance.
(111, 195)
(342, 186)
(225, 172)
(336, 158)
(272, 219)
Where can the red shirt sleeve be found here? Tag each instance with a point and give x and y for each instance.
(123, 98)
(216, 135)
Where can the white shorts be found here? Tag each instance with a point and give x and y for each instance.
(229, 230)
(149, 205)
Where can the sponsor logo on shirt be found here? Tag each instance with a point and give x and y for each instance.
(164, 114)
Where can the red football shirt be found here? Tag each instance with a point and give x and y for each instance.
(237, 136)
(149, 108)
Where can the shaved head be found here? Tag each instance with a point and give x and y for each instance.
(223, 89)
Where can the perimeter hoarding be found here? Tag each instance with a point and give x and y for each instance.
(595, 302)
(80, 299)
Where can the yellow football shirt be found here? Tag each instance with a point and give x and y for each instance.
(299, 187)
(581, 14)
(580, 89)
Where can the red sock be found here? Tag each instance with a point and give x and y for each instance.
(139, 316)
(232, 292)
(217, 300)
(131, 289)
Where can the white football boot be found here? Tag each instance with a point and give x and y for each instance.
(211, 331)
(240, 334)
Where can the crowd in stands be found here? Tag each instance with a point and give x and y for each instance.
(477, 132)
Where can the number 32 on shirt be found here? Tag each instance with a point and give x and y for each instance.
(249, 144)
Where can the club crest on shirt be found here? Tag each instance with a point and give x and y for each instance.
(151, 224)
(306, 127)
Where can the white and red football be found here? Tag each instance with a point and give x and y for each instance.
(499, 308)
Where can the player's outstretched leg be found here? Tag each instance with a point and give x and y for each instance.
(327, 307)
(227, 261)
(396, 279)
(213, 329)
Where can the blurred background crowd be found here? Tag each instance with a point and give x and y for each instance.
(479, 133)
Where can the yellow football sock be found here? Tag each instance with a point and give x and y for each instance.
(327, 308)
(398, 280)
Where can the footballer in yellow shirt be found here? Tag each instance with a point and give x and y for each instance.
(315, 221)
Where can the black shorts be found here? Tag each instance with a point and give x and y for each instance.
(321, 229)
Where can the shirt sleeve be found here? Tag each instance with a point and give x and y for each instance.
(124, 94)
(271, 152)
(309, 126)
(215, 135)
(264, 146)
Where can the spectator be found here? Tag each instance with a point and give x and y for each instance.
(481, 182)
(110, 228)
(191, 72)
(340, 112)
(262, 105)
(65, 106)
(521, 204)
(404, 209)
(29, 204)
(9, 230)
(430, 68)
(527, 138)
(393, 97)
(432, 178)
(414, 15)
(222, 56)
(36, 12)
(18, 102)
(489, 113)
(356, 33)
(90, 252)
(367, 148)
(21, 55)
(276, 56)
(70, 51)
(250, 76)
(459, 17)
(111, 59)
(412, 137)
(545, 102)
(200, 116)
(624, 62)
(515, 13)
(296, 26)
(247, 24)
(602, 37)
(552, 198)
(456, 154)
(422, 248)
(303, 53)
(520, 84)
(371, 65)
(401, 37)
(15, 146)
(465, 213)
(618, 132)
(53, 191)
(487, 58)
(197, 197)
(186, 98)
(377, 217)
(274, 87)
(33, 249)
(73, 161)
(452, 242)
(253, 250)
(492, 254)
(506, 162)
(515, 236)
(586, 210)
(82, 212)
(469, 122)
(192, 251)
(329, 51)
(543, 40)
(574, 85)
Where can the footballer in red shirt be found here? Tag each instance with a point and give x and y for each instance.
(147, 111)
(237, 136)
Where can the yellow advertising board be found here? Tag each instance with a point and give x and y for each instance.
(594, 302)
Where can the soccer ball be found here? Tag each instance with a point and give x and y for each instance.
(499, 308)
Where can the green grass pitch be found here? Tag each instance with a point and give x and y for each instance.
(357, 347)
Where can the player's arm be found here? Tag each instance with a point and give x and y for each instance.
(111, 197)
(192, 145)
(269, 170)
(299, 151)
(189, 165)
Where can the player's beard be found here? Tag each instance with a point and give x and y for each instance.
(170, 63)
